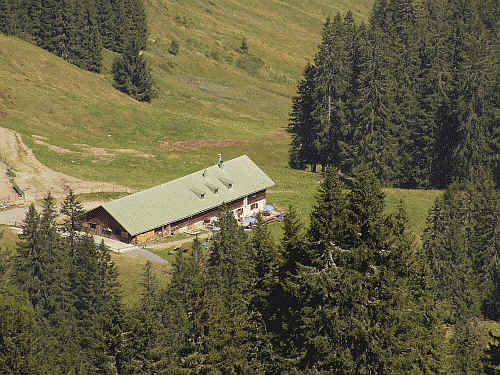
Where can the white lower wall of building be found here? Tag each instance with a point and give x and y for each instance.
(249, 211)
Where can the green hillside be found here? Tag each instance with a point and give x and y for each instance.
(210, 100)
(211, 97)
(206, 104)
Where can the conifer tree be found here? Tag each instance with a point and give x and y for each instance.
(467, 346)
(131, 75)
(34, 14)
(348, 310)
(329, 219)
(284, 326)
(29, 266)
(19, 336)
(229, 257)
(105, 21)
(93, 41)
(375, 137)
(302, 123)
(461, 245)
(108, 308)
(265, 260)
(74, 212)
(491, 359)
(8, 17)
(184, 318)
(147, 329)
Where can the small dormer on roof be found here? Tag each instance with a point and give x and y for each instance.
(198, 192)
(213, 188)
(226, 181)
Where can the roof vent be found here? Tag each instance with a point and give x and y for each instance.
(213, 188)
(199, 193)
(226, 181)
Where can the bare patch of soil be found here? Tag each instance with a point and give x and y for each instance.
(199, 144)
(196, 145)
(34, 178)
(110, 153)
(134, 152)
(56, 149)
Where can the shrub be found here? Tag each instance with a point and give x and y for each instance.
(250, 64)
(174, 47)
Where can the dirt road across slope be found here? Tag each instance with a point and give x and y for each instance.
(34, 178)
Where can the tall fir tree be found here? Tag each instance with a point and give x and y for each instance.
(131, 75)
(302, 124)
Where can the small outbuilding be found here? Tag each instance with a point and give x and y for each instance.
(185, 203)
(18, 191)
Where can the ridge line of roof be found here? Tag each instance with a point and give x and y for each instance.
(177, 179)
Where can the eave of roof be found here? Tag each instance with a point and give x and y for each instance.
(175, 200)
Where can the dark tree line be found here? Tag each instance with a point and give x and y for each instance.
(351, 293)
(61, 309)
(77, 30)
(462, 246)
(414, 94)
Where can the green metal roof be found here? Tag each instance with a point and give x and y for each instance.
(181, 198)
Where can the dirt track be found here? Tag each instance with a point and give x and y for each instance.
(34, 178)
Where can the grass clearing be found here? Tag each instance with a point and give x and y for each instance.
(8, 239)
(130, 275)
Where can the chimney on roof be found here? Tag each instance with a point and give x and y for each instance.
(220, 162)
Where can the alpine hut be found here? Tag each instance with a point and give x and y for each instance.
(185, 203)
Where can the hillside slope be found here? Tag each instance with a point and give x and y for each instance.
(211, 98)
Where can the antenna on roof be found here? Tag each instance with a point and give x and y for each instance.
(220, 162)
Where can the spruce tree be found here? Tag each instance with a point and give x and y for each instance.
(73, 211)
(105, 21)
(265, 259)
(348, 307)
(302, 124)
(491, 358)
(34, 14)
(461, 245)
(467, 347)
(19, 336)
(147, 328)
(377, 145)
(131, 75)
(329, 219)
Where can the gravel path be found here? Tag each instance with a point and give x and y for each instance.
(15, 216)
(125, 248)
(34, 178)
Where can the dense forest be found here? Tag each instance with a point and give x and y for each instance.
(78, 30)
(351, 293)
(414, 94)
